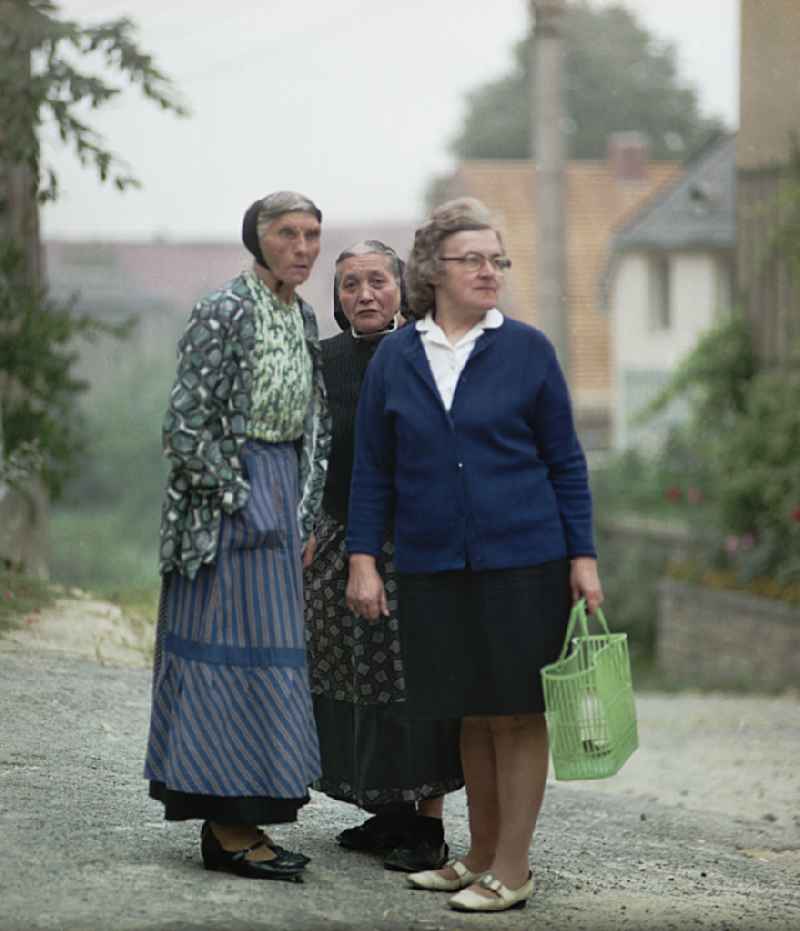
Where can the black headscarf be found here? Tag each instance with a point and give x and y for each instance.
(250, 232)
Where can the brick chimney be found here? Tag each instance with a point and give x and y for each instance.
(628, 155)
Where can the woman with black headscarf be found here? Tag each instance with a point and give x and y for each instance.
(373, 755)
(232, 738)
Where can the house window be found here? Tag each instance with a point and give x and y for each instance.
(723, 283)
(659, 293)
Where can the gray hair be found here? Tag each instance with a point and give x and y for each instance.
(371, 247)
(423, 267)
(280, 202)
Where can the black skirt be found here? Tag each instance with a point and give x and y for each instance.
(187, 806)
(372, 753)
(474, 641)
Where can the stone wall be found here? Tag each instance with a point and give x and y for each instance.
(24, 525)
(715, 639)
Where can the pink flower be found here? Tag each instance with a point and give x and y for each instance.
(731, 545)
(747, 541)
(796, 515)
(694, 495)
(673, 494)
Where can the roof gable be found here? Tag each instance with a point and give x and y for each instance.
(697, 211)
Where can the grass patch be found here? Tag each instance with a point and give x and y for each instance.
(97, 551)
(21, 595)
(136, 601)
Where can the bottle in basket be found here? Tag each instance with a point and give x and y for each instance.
(593, 726)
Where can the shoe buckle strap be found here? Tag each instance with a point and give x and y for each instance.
(491, 882)
(256, 846)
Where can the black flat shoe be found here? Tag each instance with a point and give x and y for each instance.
(376, 835)
(295, 855)
(215, 857)
(422, 856)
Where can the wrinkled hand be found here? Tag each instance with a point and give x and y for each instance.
(585, 582)
(309, 551)
(366, 596)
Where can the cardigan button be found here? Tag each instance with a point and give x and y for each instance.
(461, 465)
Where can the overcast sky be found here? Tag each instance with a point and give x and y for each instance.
(352, 102)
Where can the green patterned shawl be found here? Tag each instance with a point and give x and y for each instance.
(209, 418)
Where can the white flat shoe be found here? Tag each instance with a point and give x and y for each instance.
(504, 898)
(430, 879)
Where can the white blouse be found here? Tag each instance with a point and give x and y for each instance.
(447, 360)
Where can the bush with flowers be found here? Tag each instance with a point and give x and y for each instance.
(732, 472)
(728, 480)
(759, 486)
(644, 507)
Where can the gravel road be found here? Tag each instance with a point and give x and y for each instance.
(701, 829)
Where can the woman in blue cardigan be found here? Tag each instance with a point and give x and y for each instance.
(465, 440)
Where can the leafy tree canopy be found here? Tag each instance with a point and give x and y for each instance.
(52, 69)
(52, 72)
(617, 77)
(38, 385)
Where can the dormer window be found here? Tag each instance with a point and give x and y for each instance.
(659, 292)
(703, 197)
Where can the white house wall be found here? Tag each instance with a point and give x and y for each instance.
(644, 358)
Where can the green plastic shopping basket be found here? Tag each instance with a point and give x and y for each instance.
(589, 705)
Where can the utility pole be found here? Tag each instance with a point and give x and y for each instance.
(547, 148)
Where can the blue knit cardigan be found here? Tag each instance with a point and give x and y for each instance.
(499, 481)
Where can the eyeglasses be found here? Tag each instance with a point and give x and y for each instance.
(473, 261)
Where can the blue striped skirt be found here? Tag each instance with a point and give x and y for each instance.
(232, 734)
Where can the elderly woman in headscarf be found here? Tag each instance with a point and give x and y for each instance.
(465, 433)
(373, 755)
(232, 737)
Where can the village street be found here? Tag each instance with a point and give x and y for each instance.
(701, 830)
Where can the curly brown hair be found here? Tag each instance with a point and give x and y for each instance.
(423, 266)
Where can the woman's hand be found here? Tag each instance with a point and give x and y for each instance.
(309, 550)
(585, 582)
(366, 596)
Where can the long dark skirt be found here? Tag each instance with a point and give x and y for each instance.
(474, 642)
(232, 734)
(372, 754)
